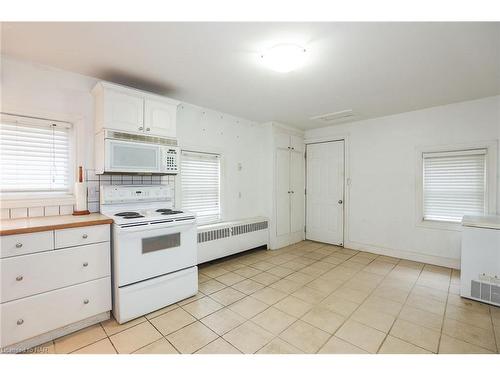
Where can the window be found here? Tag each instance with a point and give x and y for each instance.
(200, 181)
(454, 184)
(35, 156)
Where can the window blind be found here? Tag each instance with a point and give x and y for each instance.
(454, 184)
(200, 181)
(34, 156)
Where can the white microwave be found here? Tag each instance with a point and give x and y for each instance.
(118, 152)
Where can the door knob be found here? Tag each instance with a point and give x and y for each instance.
(340, 201)
(141, 128)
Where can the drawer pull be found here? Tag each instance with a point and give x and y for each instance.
(19, 245)
(84, 235)
(85, 264)
(19, 278)
(20, 321)
(85, 301)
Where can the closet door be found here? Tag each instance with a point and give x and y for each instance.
(297, 191)
(282, 191)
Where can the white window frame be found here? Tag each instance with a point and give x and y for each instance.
(178, 180)
(491, 181)
(35, 199)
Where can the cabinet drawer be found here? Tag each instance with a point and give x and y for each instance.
(32, 316)
(81, 236)
(19, 244)
(37, 273)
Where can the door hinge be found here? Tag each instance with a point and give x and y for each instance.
(305, 191)
(304, 229)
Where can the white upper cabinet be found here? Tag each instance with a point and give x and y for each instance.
(160, 118)
(124, 109)
(289, 141)
(296, 143)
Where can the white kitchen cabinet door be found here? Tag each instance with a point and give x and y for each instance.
(282, 140)
(325, 192)
(297, 191)
(282, 192)
(123, 111)
(160, 118)
(296, 143)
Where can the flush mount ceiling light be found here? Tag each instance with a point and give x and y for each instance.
(284, 58)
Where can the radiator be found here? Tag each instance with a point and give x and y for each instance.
(227, 238)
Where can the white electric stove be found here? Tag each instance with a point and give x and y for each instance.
(154, 249)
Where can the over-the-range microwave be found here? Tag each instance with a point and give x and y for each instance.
(119, 152)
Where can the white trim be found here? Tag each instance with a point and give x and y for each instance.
(412, 255)
(491, 178)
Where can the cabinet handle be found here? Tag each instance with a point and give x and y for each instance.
(84, 236)
(292, 192)
(141, 128)
(19, 278)
(148, 129)
(340, 201)
(85, 301)
(19, 245)
(20, 321)
(85, 264)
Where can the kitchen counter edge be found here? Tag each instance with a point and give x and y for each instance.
(46, 223)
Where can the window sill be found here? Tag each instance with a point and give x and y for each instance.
(440, 225)
(21, 201)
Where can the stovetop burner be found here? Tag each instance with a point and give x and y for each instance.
(127, 213)
(168, 211)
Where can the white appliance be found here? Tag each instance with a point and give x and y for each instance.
(480, 262)
(118, 152)
(154, 249)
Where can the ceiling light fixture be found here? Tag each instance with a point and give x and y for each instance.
(284, 58)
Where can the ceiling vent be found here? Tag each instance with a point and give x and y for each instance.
(329, 118)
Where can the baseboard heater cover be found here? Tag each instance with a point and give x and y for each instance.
(223, 239)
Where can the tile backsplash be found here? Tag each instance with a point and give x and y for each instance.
(93, 183)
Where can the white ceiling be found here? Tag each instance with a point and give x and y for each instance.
(375, 69)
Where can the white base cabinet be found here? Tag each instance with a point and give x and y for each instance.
(57, 279)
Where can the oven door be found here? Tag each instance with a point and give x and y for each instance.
(141, 253)
(132, 157)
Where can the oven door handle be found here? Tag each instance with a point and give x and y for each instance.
(147, 227)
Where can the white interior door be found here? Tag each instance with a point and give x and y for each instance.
(282, 192)
(325, 192)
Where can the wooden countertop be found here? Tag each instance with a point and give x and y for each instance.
(45, 223)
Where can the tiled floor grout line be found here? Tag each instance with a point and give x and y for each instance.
(444, 314)
(399, 313)
(162, 335)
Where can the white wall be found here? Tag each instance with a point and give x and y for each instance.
(33, 89)
(382, 161)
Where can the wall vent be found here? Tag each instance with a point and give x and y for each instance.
(334, 116)
(485, 291)
(231, 231)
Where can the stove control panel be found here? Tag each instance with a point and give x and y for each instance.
(135, 193)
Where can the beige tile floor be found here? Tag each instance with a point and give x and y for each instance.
(307, 298)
